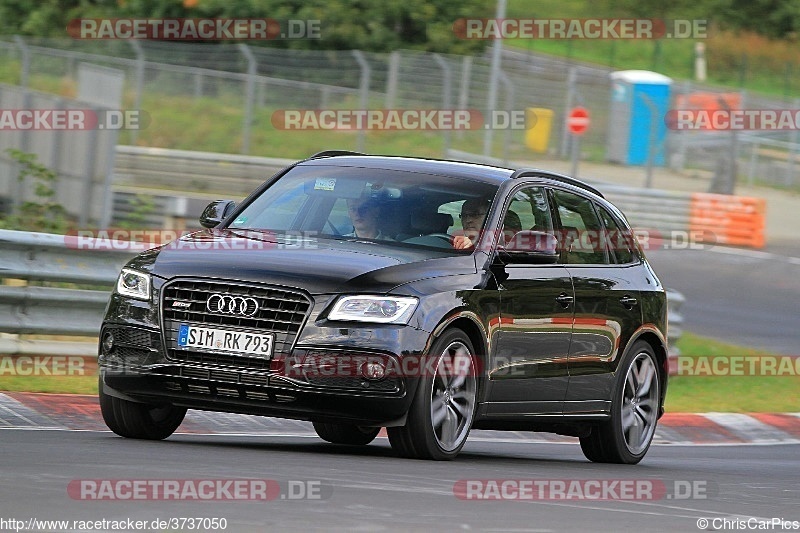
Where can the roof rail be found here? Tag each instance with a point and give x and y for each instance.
(526, 172)
(333, 153)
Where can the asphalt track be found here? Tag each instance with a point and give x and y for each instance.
(739, 467)
(369, 489)
(745, 297)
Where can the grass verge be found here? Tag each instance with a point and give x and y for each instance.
(736, 394)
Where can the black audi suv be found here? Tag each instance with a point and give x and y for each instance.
(427, 297)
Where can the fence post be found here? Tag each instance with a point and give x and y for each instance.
(25, 56)
(792, 149)
(447, 88)
(250, 93)
(683, 136)
(510, 97)
(391, 81)
(363, 88)
(569, 102)
(463, 94)
(494, 73)
(751, 171)
(138, 83)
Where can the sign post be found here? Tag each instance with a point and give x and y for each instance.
(577, 124)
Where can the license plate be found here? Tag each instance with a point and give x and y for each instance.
(225, 340)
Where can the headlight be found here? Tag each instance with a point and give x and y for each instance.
(134, 284)
(384, 309)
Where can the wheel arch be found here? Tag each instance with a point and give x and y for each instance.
(658, 343)
(470, 324)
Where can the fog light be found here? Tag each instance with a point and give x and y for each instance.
(108, 342)
(373, 370)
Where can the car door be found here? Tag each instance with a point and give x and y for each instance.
(607, 310)
(529, 372)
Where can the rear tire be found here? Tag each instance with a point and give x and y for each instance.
(626, 437)
(443, 409)
(139, 420)
(345, 433)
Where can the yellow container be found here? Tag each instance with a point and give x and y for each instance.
(538, 122)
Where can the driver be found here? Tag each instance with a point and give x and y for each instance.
(365, 212)
(473, 213)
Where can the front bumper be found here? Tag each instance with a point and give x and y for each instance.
(319, 382)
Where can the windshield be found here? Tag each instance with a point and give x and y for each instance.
(381, 206)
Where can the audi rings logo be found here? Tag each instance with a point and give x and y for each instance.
(232, 305)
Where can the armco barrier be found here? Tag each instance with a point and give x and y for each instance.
(34, 257)
(736, 220)
(70, 311)
(206, 174)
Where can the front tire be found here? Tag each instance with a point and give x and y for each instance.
(626, 437)
(139, 420)
(441, 414)
(345, 433)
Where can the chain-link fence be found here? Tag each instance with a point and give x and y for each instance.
(222, 97)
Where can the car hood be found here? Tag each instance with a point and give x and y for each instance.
(319, 266)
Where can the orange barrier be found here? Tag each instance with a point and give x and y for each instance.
(708, 101)
(723, 219)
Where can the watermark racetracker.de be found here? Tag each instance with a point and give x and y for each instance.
(586, 28)
(216, 490)
(583, 489)
(194, 29)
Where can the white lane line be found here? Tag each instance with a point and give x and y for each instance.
(748, 428)
(754, 254)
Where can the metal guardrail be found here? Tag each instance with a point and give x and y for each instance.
(651, 209)
(55, 260)
(647, 209)
(42, 257)
(205, 174)
(194, 178)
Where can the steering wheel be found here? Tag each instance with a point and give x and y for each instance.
(446, 236)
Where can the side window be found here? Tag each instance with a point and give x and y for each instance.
(528, 210)
(618, 237)
(581, 230)
(339, 222)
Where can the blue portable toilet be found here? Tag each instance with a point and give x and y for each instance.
(638, 97)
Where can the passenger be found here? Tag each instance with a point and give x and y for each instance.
(511, 225)
(365, 212)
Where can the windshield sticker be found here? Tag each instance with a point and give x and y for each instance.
(325, 184)
(240, 220)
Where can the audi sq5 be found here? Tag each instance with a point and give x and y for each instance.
(426, 297)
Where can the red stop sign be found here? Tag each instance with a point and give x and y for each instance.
(578, 120)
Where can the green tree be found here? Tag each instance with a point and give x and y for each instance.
(771, 18)
(372, 25)
(44, 214)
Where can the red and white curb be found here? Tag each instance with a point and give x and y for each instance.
(74, 412)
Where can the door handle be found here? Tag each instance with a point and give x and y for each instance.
(565, 299)
(628, 301)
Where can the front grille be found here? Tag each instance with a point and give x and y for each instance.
(217, 376)
(281, 311)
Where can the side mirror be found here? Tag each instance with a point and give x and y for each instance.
(531, 247)
(215, 212)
